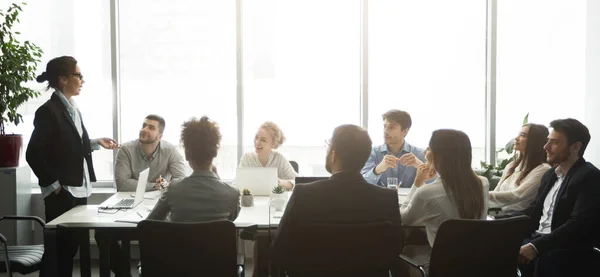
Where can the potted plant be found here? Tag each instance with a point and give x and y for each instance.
(278, 198)
(18, 64)
(247, 198)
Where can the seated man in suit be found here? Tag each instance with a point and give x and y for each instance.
(565, 215)
(133, 157)
(345, 198)
(202, 196)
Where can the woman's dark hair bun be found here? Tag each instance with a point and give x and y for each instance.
(42, 77)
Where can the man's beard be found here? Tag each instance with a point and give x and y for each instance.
(560, 157)
(150, 140)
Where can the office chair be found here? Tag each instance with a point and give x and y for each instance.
(188, 249)
(339, 250)
(295, 166)
(470, 248)
(23, 259)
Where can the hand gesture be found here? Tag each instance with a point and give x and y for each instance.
(409, 159)
(424, 172)
(108, 143)
(160, 183)
(389, 161)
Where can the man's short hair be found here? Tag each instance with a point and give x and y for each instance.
(352, 145)
(400, 117)
(159, 119)
(201, 139)
(574, 130)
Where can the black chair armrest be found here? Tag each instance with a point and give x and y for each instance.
(3, 239)
(411, 262)
(24, 217)
(4, 249)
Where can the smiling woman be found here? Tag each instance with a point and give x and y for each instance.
(268, 138)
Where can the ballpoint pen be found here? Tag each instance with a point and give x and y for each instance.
(138, 213)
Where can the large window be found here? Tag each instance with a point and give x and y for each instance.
(79, 29)
(541, 63)
(177, 60)
(302, 71)
(428, 58)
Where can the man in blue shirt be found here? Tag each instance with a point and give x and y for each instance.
(396, 157)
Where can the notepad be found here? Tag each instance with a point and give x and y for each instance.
(151, 195)
(133, 216)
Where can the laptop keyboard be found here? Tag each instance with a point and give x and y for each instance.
(124, 203)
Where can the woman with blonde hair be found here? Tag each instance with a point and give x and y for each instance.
(267, 139)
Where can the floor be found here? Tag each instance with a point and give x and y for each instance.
(134, 272)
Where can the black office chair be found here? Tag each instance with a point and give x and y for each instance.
(470, 248)
(339, 249)
(188, 249)
(23, 259)
(295, 166)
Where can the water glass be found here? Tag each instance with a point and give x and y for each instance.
(392, 183)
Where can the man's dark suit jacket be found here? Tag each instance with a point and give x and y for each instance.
(55, 150)
(345, 198)
(576, 217)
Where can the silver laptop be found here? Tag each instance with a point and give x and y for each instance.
(259, 180)
(130, 203)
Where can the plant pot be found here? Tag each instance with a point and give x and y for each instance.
(10, 150)
(278, 201)
(247, 200)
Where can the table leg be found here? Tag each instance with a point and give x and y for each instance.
(125, 257)
(84, 254)
(104, 254)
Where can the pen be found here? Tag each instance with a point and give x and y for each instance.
(138, 213)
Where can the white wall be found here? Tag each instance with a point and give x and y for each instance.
(592, 111)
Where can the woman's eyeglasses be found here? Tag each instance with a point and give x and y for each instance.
(78, 75)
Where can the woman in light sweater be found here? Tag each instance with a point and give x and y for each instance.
(521, 179)
(457, 193)
(268, 138)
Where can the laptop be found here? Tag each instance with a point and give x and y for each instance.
(306, 180)
(130, 203)
(259, 180)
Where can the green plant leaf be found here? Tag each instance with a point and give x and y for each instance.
(18, 64)
(526, 119)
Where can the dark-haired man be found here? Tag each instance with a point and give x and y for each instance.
(355, 201)
(148, 151)
(396, 157)
(565, 216)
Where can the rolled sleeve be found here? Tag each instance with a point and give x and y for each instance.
(368, 170)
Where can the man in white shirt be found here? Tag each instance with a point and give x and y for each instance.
(565, 216)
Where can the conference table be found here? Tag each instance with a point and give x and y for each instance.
(91, 217)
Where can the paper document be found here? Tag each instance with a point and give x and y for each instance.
(133, 216)
(155, 194)
(403, 191)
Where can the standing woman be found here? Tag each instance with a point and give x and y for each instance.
(60, 152)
